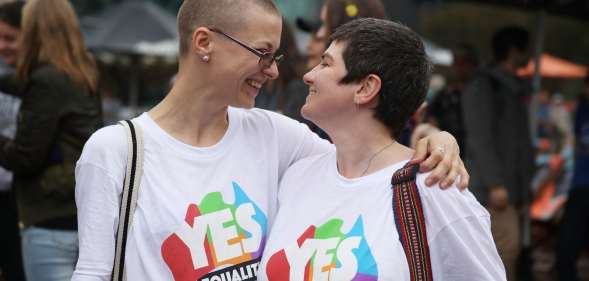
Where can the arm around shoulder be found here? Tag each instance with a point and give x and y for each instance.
(296, 141)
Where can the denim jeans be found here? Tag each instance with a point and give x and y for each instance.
(49, 255)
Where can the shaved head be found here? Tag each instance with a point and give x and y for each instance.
(226, 15)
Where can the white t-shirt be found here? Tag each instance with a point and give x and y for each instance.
(9, 106)
(332, 228)
(201, 211)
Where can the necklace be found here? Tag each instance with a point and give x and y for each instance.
(374, 155)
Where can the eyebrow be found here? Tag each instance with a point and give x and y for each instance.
(326, 56)
(266, 45)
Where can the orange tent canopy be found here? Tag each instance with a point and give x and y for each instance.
(553, 67)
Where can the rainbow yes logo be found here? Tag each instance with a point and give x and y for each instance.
(217, 241)
(325, 253)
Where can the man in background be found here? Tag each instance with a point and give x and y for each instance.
(499, 150)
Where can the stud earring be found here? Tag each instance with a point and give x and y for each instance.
(205, 58)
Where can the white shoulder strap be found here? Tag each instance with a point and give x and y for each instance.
(129, 196)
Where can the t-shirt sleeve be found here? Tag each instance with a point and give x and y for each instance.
(464, 250)
(99, 181)
(296, 141)
(459, 235)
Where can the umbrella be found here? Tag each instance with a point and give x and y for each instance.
(578, 9)
(553, 67)
(122, 27)
(134, 28)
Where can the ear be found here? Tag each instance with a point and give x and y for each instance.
(368, 91)
(201, 43)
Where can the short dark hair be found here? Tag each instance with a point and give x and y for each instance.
(222, 14)
(11, 13)
(394, 53)
(507, 38)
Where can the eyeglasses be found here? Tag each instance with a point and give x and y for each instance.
(266, 58)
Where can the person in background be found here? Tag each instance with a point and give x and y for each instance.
(574, 229)
(499, 149)
(315, 47)
(10, 259)
(445, 109)
(277, 94)
(56, 80)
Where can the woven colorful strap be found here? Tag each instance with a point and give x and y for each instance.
(411, 222)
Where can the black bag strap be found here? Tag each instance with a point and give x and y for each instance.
(410, 222)
(129, 195)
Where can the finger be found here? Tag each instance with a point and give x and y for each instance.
(436, 156)
(420, 150)
(464, 178)
(451, 177)
(438, 173)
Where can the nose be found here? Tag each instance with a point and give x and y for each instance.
(272, 71)
(308, 77)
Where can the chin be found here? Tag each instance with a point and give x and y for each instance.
(307, 113)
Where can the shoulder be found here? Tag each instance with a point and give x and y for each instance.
(443, 207)
(106, 147)
(266, 118)
(52, 83)
(49, 76)
(47, 73)
(309, 164)
(274, 125)
(307, 168)
(303, 171)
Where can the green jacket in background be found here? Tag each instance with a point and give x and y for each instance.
(56, 118)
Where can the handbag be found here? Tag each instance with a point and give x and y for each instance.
(129, 195)
(410, 222)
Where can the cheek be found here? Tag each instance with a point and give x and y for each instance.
(237, 70)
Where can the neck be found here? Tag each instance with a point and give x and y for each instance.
(192, 112)
(362, 150)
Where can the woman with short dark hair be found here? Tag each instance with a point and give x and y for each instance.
(354, 213)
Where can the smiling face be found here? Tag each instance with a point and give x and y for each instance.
(328, 97)
(236, 68)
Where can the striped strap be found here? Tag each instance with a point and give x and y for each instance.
(411, 222)
(129, 196)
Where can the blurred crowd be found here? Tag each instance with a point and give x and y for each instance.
(527, 153)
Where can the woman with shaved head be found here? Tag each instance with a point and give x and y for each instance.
(211, 164)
